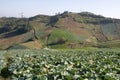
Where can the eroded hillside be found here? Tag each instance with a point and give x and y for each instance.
(66, 30)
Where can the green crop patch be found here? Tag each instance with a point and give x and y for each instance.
(50, 64)
(60, 36)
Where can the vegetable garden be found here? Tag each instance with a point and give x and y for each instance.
(60, 64)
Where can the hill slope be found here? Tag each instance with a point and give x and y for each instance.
(66, 30)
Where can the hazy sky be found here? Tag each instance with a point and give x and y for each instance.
(13, 8)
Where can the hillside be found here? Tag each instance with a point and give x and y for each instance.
(66, 30)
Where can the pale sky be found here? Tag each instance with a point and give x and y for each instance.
(13, 8)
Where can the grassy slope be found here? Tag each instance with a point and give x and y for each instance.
(33, 44)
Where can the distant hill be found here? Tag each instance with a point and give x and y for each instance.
(65, 30)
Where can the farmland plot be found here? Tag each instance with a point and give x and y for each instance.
(60, 64)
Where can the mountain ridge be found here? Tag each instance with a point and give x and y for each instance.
(65, 30)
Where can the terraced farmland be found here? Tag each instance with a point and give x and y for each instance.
(60, 64)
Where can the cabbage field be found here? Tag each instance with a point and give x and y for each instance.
(60, 64)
